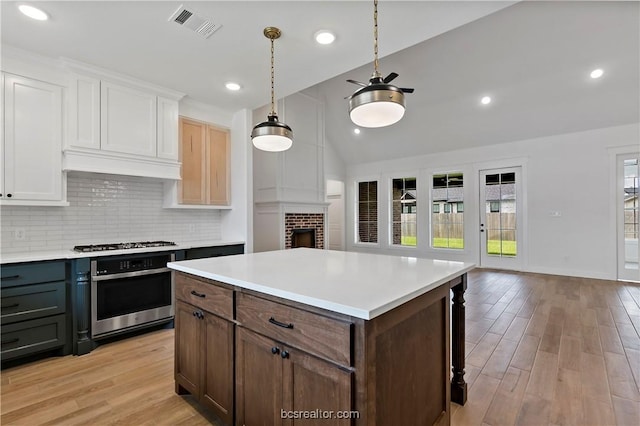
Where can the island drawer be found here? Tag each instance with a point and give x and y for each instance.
(319, 335)
(32, 301)
(205, 295)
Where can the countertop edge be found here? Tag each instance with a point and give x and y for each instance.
(320, 303)
(38, 256)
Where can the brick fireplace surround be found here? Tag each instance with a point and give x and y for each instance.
(304, 220)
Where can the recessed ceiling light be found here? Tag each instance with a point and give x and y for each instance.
(356, 131)
(324, 37)
(486, 100)
(33, 12)
(597, 73)
(233, 86)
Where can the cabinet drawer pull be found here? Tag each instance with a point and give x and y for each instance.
(6, 342)
(195, 293)
(13, 305)
(273, 321)
(11, 277)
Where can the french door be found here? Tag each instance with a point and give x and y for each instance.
(501, 218)
(628, 170)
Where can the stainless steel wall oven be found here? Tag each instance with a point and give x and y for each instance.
(130, 292)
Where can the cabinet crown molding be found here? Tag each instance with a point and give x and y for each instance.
(102, 73)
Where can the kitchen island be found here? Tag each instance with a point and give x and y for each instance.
(349, 337)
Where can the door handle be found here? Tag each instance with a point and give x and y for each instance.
(11, 277)
(13, 305)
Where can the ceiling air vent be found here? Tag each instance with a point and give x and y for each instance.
(192, 20)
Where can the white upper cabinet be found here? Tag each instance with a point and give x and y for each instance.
(127, 120)
(168, 129)
(84, 112)
(120, 125)
(32, 143)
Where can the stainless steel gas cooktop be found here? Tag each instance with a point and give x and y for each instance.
(123, 246)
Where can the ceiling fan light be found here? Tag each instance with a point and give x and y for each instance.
(376, 108)
(272, 135)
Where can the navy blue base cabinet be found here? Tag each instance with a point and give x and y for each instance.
(34, 315)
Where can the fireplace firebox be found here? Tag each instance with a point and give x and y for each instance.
(305, 237)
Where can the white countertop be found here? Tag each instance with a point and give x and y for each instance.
(358, 284)
(34, 256)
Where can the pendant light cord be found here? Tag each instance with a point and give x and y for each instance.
(273, 108)
(376, 73)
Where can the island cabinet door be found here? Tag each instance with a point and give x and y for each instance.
(315, 392)
(258, 380)
(217, 387)
(188, 355)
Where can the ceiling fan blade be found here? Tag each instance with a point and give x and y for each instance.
(357, 82)
(390, 77)
(407, 90)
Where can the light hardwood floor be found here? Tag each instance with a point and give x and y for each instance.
(541, 350)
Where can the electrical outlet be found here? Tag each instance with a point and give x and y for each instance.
(19, 234)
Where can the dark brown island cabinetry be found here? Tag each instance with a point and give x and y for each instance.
(257, 359)
(309, 375)
(204, 344)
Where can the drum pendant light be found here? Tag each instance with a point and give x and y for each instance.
(272, 135)
(377, 104)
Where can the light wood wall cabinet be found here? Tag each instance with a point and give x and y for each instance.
(204, 153)
(31, 149)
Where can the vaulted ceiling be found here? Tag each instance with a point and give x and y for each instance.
(533, 59)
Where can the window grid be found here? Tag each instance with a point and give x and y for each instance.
(404, 212)
(368, 212)
(447, 228)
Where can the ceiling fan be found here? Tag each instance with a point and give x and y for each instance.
(378, 103)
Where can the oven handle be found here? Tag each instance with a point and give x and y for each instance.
(130, 274)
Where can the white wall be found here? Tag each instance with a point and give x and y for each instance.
(296, 174)
(293, 180)
(205, 112)
(567, 173)
(237, 223)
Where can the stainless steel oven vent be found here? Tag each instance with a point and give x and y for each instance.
(195, 22)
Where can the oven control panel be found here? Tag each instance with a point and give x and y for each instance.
(123, 264)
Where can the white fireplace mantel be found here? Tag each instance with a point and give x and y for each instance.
(269, 222)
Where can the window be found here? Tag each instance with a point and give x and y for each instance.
(447, 228)
(368, 212)
(404, 211)
(494, 206)
(436, 208)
